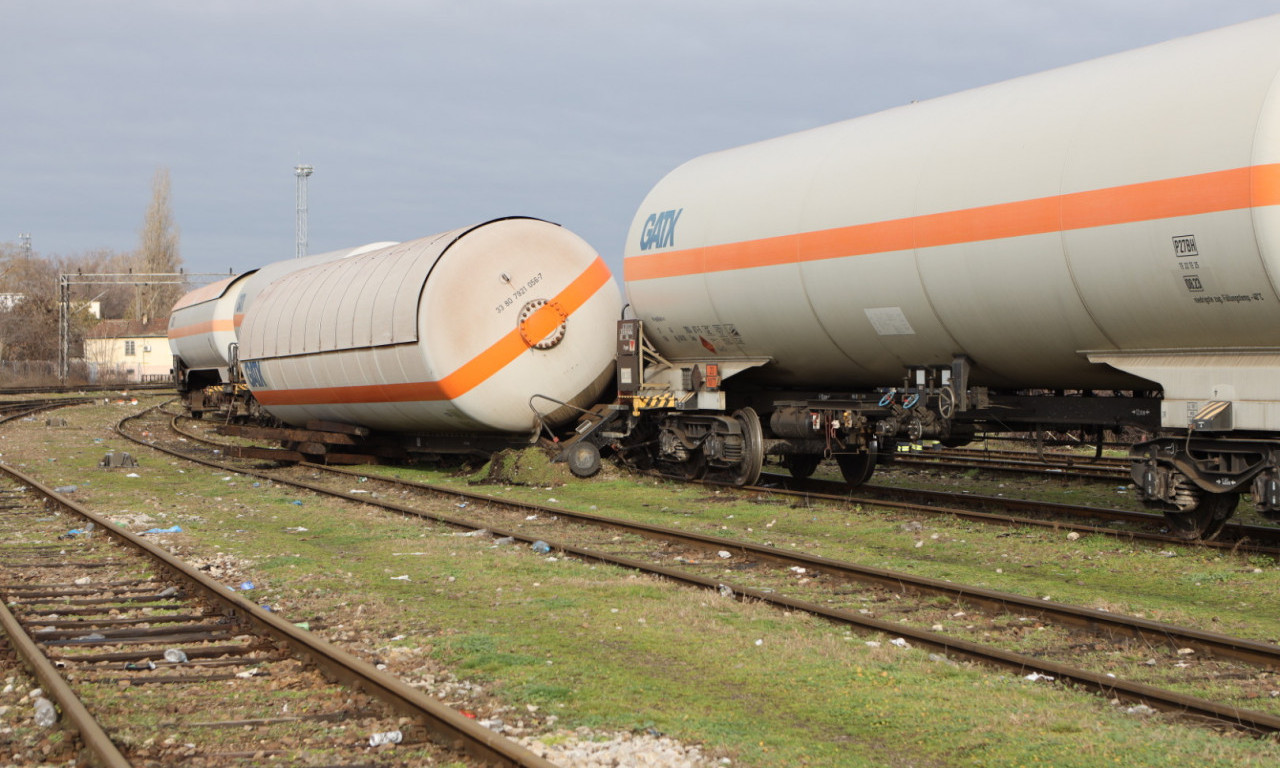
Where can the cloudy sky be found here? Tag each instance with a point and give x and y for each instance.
(420, 116)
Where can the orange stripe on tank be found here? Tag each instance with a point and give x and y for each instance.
(208, 326)
(1233, 189)
(469, 375)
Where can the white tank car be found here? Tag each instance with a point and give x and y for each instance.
(204, 323)
(259, 279)
(202, 328)
(450, 333)
(1102, 225)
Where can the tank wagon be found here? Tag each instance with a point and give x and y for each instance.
(1093, 246)
(204, 330)
(465, 341)
(201, 336)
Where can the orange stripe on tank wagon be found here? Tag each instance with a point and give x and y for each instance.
(1233, 189)
(469, 375)
(208, 326)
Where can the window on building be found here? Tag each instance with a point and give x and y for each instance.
(130, 348)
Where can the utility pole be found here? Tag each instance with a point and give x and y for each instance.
(302, 172)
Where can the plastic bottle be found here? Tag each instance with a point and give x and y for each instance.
(386, 737)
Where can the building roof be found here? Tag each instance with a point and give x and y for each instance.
(125, 329)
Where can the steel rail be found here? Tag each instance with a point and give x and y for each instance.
(1048, 458)
(61, 388)
(1254, 652)
(1011, 466)
(76, 716)
(1241, 531)
(448, 727)
(31, 407)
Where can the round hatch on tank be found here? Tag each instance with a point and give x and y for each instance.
(530, 328)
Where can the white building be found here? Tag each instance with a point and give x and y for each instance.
(128, 350)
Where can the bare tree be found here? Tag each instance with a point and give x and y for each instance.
(29, 313)
(115, 301)
(158, 252)
(29, 307)
(30, 304)
(9, 254)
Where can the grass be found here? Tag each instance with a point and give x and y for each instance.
(606, 648)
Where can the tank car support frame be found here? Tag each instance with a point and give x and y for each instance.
(698, 444)
(1198, 480)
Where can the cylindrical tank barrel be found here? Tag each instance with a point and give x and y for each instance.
(490, 328)
(1123, 204)
(204, 324)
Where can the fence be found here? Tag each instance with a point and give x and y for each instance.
(37, 373)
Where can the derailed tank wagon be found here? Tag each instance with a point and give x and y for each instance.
(463, 342)
(467, 337)
(204, 332)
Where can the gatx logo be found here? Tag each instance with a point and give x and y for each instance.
(660, 230)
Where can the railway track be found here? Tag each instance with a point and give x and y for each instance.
(152, 663)
(1043, 457)
(166, 386)
(1128, 524)
(1140, 526)
(958, 620)
(16, 409)
(1106, 471)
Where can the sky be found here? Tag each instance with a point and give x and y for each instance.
(421, 116)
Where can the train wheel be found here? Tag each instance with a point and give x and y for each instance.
(857, 468)
(801, 465)
(752, 448)
(695, 468)
(1207, 519)
(583, 458)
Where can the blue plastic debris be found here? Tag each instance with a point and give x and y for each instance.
(245, 586)
(541, 547)
(174, 529)
(85, 531)
(296, 502)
